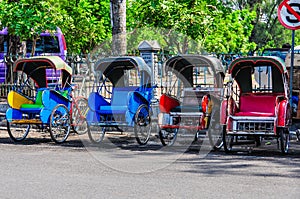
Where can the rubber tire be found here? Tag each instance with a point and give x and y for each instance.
(163, 138)
(14, 138)
(142, 119)
(214, 122)
(284, 139)
(227, 146)
(51, 125)
(258, 140)
(91, 134)
(298, 134)
(78, 116)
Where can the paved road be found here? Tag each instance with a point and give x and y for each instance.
(38, 168)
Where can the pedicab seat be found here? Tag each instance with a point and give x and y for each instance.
(260, 105)
(191, 101)
(38, 104)
(119, 101)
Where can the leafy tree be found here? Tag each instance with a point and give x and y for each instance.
(192, 25)
(28, 18)
(89, 23)
(267, 31)
(85, 23)
(231, 33)
(180, 26)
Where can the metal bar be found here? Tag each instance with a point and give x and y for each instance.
(292, 66)
(252, 118)
(187, 114)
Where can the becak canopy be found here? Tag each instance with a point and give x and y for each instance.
(35, 68)
(184, 65)
(242, 68)
(114, 68)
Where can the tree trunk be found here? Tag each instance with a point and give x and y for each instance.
(33, 46)
(12, 55)
(118, 22)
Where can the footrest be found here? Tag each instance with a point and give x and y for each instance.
(27, 121)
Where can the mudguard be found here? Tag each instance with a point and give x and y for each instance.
(12, 114)
(135, 100)
(223, 112)
(50, 99)
(45, 115)
(283, 113)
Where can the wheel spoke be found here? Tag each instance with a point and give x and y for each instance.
(215, 131)
(96, 133)
(18, 132)
(284, 137)
(60, 123)
(142, 124)
(79, 111)
(168, 138)
(227, 141)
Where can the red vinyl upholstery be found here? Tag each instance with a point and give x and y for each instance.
(257, 105)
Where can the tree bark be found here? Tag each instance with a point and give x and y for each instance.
(118, 22)
(14, 45)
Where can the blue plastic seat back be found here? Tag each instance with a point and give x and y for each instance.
(120, 95)
(95, 101)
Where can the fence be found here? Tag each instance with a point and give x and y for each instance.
(82, 66)
(83, 75)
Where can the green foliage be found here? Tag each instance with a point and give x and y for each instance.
(231, 33)
(180, 26)
(196, 26)
(85, 23)
(267, 32)
(90, 24)
(28, 18)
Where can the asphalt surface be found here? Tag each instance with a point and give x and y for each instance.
(39, 168)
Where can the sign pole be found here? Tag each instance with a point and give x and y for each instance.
(292, 67)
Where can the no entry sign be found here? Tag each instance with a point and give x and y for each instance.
(289, 14)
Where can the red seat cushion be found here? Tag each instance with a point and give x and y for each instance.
(258, 104)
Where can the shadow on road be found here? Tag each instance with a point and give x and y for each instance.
(256, 163)
(129, 143)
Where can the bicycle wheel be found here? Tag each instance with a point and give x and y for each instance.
(227, 141)
(17, 132)
(168, 138)
(284, 137)
(215, 131)
(79, 111)
(96, 133)
(60, 123)
(142, 124)
(298, 134)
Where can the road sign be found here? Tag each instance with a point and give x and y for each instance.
(289, 14)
